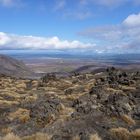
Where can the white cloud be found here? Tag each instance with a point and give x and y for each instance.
(132, 20)
(11, 41)
(4, 39)
(124, 36)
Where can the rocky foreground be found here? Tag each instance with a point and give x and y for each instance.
(101, 106)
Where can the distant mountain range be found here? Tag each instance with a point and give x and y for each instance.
(13, 67)
(27, 54)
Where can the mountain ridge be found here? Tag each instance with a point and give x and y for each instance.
(13, 67)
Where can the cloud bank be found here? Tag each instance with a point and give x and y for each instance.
(11, 41)
(121, 37)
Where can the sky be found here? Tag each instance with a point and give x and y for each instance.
(94, 26)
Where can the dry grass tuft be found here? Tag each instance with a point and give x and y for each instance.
(127, 88)
(35, 84)
(74, 96)
(61, 107)
(10, 94)
(10, 136)
(95, 137)
(38, 136)
(119, 133)
(5, 103)
(23, 115)
(127, 119)
(135, 135)
(76, 138)
(124, 134)
(29, 99)
(65, 113)
(92, 137)
(21, 85)
(6, 130)
(112, 90)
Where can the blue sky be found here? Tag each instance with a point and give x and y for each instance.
(102, 26)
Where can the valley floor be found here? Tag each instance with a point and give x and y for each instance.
(61, 65)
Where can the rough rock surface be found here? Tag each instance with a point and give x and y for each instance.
(77, 106)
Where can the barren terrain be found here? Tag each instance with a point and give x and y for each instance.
(90, 106)
(66, 66)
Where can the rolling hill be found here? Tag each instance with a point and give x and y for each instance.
(13, 67)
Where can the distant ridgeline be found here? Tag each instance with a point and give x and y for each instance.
(12, 67)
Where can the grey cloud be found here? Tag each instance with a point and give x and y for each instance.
(123, 36)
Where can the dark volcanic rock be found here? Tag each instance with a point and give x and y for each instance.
(100, 91)
(74, 90)
(76, 107)
(45, 109)
(48, 77)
